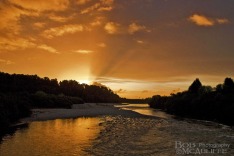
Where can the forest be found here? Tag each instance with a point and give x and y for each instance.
(135, 101)
(200, 102)
(20, 93)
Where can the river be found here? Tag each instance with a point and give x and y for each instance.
(88, 136)
(189, 135)
(52, 137)
(145, 110)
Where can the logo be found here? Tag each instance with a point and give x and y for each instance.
(185, 148)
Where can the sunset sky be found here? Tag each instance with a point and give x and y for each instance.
(138, 48)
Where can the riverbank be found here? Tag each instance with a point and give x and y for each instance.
(79, 110)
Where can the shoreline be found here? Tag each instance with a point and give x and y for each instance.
(79, 110)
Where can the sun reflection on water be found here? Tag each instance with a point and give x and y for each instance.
(53, 137)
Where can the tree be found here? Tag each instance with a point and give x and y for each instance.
(219, 88)
(205, 89)
(228, 85)
(195, 86)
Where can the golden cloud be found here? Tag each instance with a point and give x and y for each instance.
(222, 20)
(57, 18)
(81, 2)
(62, 30)
(47, 48)
(107, 2)
(6, 62)
(140, 41)
(39, 24)
(23, 43)
(202, 20)
(82, 51)
(103, 45)
(10, 17)
(15, 44)
(111, 27)
(97, 21)
(133, 28)
(102, 5)
(91, 8)
(42, 5)
(109, 8)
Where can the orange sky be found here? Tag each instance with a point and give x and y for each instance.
(138, 48)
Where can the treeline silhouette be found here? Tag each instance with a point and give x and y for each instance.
(19, 93)
(135, 101)
(200, 102)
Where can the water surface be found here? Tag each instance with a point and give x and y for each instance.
(117, 136)
(184, 130)
(145, 110)
(53, 137)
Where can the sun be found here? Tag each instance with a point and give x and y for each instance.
(85, 81)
